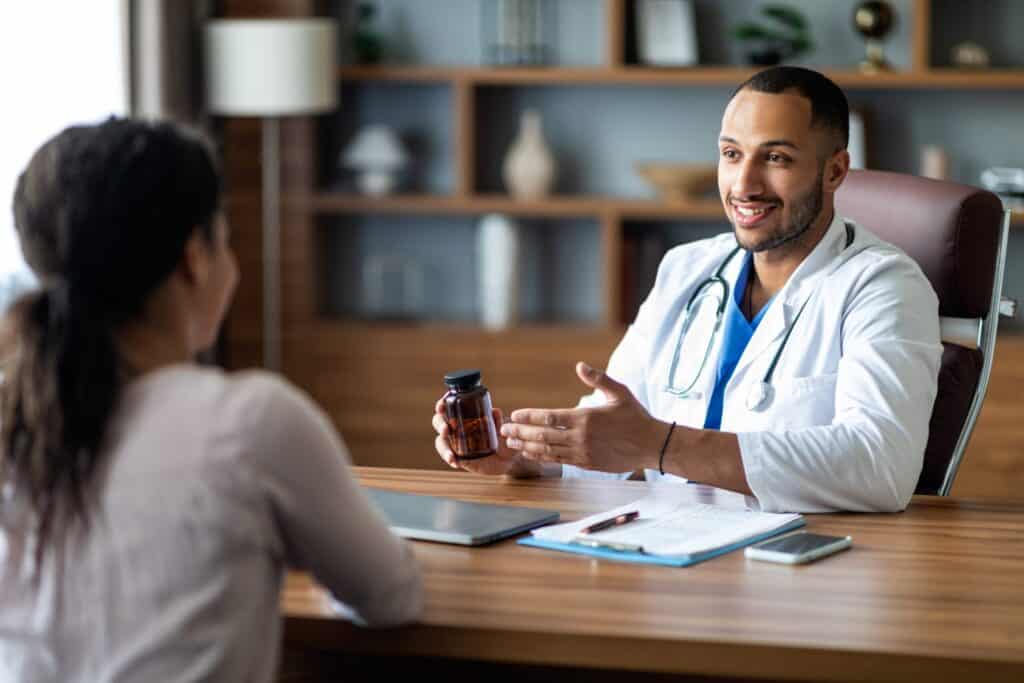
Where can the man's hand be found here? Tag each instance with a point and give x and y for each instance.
(505, 461)
(619, 436)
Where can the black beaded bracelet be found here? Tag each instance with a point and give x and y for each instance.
(661, 456)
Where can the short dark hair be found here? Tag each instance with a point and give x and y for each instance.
(829, 108)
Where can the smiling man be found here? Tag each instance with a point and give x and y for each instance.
(794, 359)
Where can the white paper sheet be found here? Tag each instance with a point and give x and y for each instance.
(667, 526)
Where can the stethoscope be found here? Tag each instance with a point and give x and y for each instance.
(760, 394)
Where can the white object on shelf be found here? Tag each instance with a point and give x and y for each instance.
(934, 162)
(857, 146)
(529, 168)
(666, 32)
(378, 156)
(498, 247)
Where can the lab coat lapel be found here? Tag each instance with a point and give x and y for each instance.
(692, 411)
(788, 302)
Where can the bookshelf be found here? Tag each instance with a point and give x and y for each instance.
(338, 358)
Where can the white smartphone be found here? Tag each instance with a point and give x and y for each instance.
(798, 548)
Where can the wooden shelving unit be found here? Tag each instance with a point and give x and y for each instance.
(698, 76)
(611, 212)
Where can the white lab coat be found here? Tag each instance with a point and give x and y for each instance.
(853, 389)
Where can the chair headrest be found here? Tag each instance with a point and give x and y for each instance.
(951, 230)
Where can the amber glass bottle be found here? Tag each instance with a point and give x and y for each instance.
(467, 407)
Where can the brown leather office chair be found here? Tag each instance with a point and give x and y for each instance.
(958, 235)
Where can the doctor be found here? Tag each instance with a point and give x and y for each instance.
(794, 360)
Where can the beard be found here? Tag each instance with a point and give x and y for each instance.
(805, 209)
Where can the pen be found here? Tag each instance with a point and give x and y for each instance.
(612, 521)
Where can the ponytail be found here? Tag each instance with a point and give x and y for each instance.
(103, 213)
(58, 394)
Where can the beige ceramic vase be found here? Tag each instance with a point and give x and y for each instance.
(529, 169)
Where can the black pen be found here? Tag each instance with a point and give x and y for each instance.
(608, 523)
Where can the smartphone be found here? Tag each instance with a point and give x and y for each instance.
(798, 548)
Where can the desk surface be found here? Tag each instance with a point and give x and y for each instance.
(936, 591)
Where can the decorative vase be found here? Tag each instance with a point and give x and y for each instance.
(498, 246)
(529, 168)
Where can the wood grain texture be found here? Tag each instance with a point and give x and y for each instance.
(913, 79)
(920, 35)
(615, 33)
(994, 462)
(929, 594)
(379, 384)
(464, 135)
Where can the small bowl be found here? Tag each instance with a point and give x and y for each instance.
(679, 182)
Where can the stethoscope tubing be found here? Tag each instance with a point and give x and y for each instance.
(760, 392)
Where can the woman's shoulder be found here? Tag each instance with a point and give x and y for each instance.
(252, 401)
(257, 389)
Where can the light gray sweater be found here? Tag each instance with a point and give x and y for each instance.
(211, 485)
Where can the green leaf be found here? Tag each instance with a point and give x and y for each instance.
(786, 16)
(755, 32)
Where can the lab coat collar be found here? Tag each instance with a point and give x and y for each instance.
(823, 259)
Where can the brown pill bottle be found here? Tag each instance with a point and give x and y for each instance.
(467, 410)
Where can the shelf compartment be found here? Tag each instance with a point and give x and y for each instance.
(411, 269)
(987, 24)
(425, 131)
(645, 241)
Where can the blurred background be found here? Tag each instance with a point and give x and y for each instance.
(491, 183)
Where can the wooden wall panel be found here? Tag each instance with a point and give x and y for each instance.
(379, 384)
(994, 462)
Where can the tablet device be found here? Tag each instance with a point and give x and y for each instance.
(446, 520)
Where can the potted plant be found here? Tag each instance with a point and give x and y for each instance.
(784, 37)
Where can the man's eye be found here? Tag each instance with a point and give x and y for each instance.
(777, 158)
(729, 153)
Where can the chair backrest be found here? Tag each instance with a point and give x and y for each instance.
(957, 234)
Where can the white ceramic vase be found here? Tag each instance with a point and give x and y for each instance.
(498, 247)
(529, 168)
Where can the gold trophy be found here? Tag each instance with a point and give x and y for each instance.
(874, 19)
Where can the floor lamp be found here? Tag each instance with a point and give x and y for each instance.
(271, 68)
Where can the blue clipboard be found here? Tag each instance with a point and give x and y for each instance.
(663, 560)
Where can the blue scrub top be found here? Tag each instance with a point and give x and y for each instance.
(737, 333)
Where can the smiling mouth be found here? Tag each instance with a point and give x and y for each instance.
(752, 212)
(749, 216)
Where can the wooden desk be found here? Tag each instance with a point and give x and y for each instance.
(935, 593)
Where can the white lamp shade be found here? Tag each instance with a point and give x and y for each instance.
(271, 67)
(375, 147)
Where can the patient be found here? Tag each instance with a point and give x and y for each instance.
(149, 506)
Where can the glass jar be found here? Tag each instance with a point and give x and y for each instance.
(470, 418)
(518, 32)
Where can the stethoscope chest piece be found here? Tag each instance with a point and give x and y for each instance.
(760, 396)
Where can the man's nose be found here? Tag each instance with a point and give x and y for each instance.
(747, 181)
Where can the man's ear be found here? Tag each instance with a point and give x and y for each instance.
(195, 260)
(836, 169)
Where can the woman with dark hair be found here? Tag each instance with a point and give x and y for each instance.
(149, 506)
